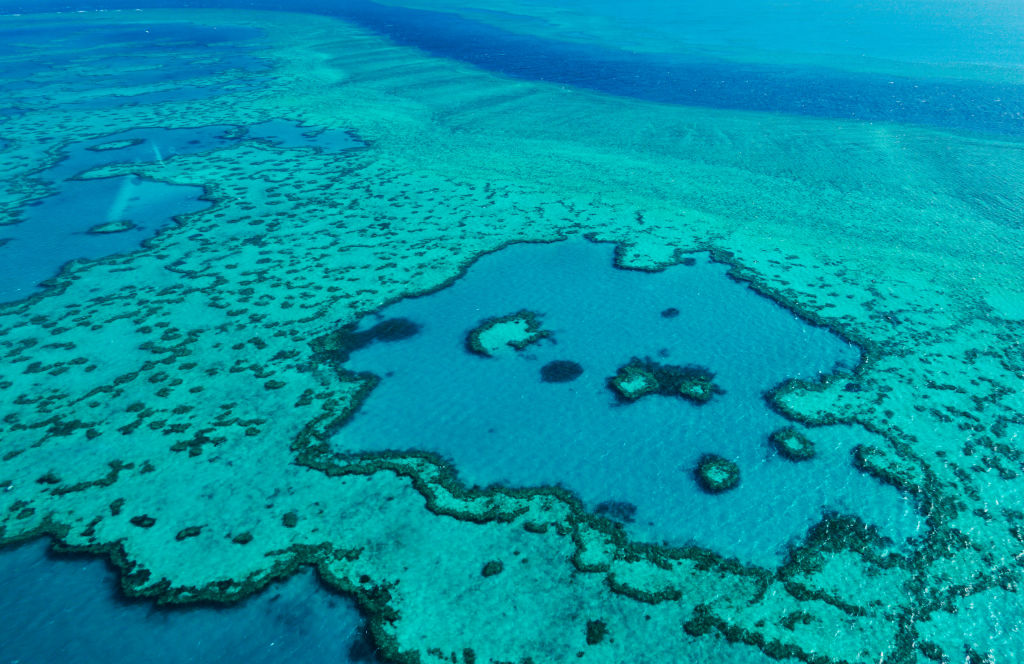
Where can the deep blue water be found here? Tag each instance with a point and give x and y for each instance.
(68, 609)
(54, 230)
(816, 92)
(158, 55)
(679, 79)
(499, 423)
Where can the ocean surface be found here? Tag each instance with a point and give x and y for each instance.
(246, 247)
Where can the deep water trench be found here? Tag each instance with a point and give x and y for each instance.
(516, 419)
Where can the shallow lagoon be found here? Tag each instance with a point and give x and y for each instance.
(75, 221)
(57, 229)
(499, 423)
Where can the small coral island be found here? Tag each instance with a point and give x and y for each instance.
(639, 378)
(716, 474)
(792, 445)
(118, 226)
(115, 145)
(516, 331)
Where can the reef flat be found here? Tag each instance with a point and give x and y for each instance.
(168, 407)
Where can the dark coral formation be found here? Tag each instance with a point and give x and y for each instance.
(618, 510)
(639, 378)
(341, 343)
(716, 474)
(143, 521)
(560, 371)
(191, 531)
(596, 631)
(792, 445)
(242, 538)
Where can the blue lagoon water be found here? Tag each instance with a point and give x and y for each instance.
(497, 422)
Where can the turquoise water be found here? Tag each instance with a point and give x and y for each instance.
(497, 422)
(826, 149)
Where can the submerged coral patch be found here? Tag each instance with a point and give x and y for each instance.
(115, 145)
(618, 510)
(118, 226)
(560, 371)
(633, 381)
(339, 344)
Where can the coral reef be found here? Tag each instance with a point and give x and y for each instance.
(716, 474)
(119, 226)
(517, 331)
(212, 322)
(792, 445)
(639, 378)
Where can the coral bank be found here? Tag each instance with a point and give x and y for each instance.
(169, 450)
